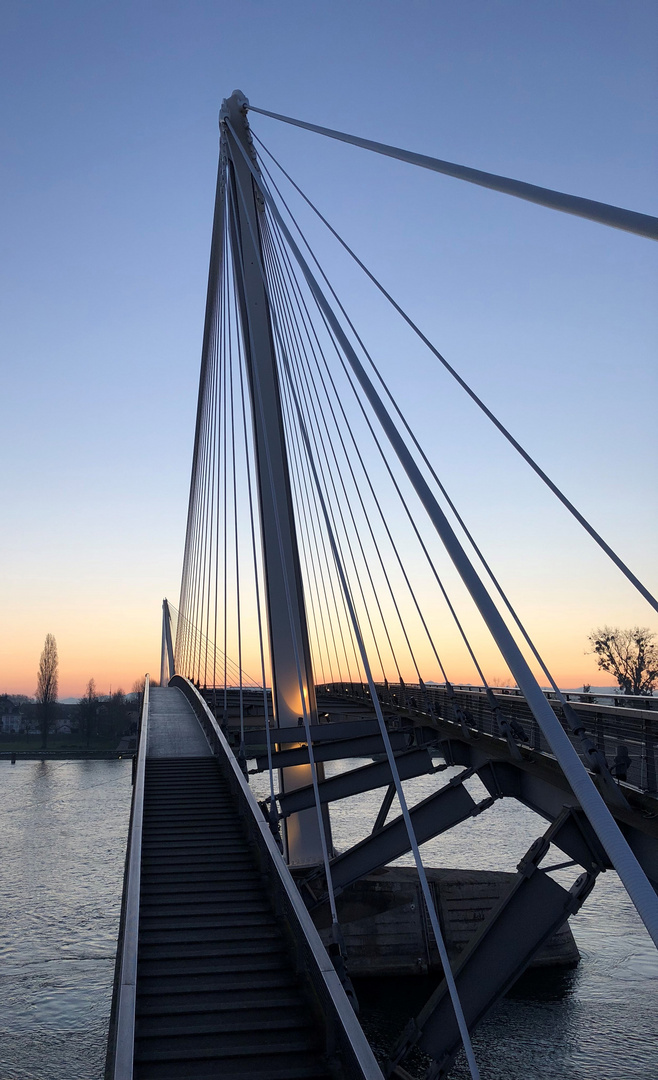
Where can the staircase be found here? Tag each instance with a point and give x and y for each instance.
(216, 992)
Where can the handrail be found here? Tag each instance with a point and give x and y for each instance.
(344, 1030)
(647, 702)
(607, 726)
(124, 1035)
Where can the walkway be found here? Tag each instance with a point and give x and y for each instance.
(217, 993)
(174, 731)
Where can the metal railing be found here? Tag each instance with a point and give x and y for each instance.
(345, 1038)
(121, 1041)
(608, 724)
(645, 702)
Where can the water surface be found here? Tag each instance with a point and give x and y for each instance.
(64, 828)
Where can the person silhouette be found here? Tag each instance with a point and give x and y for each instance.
(622, 763)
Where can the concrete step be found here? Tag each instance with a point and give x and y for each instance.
(168, 988)
(210, 949)
(217, 994)
(168, 967)
(230, 1001)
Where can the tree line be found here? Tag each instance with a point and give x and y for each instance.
(96, 716)
(629, 655)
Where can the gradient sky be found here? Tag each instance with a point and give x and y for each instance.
(109, 138)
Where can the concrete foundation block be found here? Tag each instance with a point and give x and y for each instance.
(386, 928)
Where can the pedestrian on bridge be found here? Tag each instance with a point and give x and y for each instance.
(622, 763)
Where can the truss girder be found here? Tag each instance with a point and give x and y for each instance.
(439, 812)
(533, 910)
(319, 732)
(576, 837)
(548, 796)
(334, 751)
(368, 777)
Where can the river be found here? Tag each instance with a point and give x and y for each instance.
(64, 827)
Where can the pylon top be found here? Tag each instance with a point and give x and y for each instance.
(237, 102)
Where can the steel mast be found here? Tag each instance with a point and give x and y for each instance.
(292, 673)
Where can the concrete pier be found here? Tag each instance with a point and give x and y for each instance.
(387, 932)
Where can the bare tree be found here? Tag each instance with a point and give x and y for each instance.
(139, 684)
(46, 692)
(88, 706)
(630, 655)
(503, 680)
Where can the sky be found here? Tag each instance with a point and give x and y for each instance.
(109, 131)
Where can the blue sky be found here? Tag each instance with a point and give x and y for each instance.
(109, 126)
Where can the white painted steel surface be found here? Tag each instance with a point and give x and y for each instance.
(293, 686)
(125, 1029)
(622, 858)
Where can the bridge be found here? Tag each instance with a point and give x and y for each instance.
(312, 507)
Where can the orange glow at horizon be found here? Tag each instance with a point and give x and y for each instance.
(126, 663)
(85, 652)
(117, 651)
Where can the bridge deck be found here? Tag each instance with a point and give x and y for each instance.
(174, 730)
(216, 989)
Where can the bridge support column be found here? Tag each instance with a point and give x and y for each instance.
(293, 690)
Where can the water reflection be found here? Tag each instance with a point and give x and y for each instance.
(64, 829)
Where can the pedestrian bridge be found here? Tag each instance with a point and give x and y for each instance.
(323, 544)
(220, 969)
